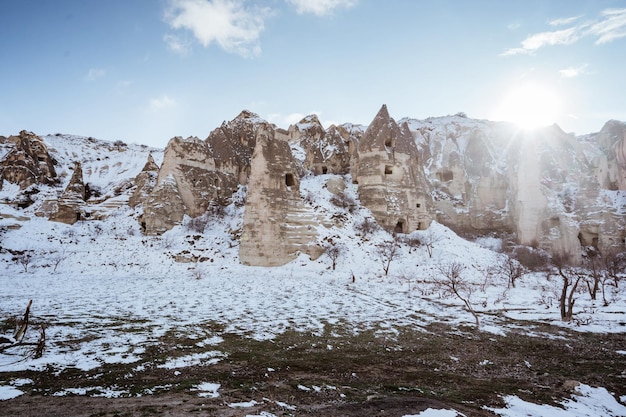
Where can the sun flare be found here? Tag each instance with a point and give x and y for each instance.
(530, 106)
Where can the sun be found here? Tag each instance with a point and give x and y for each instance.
(530, 106)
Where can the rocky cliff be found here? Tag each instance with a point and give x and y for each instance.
(547, 188)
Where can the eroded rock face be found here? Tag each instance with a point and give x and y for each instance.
(70, 207)
(197, 173)
(145, 182)
(549, 188)
(277, 226)
(326, 150)
(27, 162)
(390, 181)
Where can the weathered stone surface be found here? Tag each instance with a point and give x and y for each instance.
(27, 161)
(545, 186)
(196, 173)
(326, 151)
(390, 181)
(277, 226)
(144, 182)
(70, 207)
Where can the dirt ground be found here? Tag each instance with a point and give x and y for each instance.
(338, 373)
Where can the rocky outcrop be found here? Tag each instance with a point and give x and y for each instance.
(70, 207)
(326, 151)
(277, 226)
(27, 161)
(390, 179)
(232, 145)
(549, 188)
(197, 173)
(144, 182)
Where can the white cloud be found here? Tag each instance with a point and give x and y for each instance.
(320, 7)
(95, 73)
(563, 21)
(160, 103)
(538, 40)
(610, 26)
(229, 24)
(176, 44)
(572, 72)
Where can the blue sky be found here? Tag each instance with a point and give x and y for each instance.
(144, 71)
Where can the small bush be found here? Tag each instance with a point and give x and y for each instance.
(531, 258)
(344, 201)
(366, 227)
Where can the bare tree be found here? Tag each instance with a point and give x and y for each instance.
(366, 227)
(429, 239)
(451, 280)
(24, 258)
(334, 251)
(614, 263)
(593, 273)
(386, 252)
(562, 267)
(513, 270)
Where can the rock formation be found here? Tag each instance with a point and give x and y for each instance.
(196, 173)
(547, 188)
(27, 161)
(390, 178)
(326, 152)
(144, 182)
(69, 208)
(276, 225)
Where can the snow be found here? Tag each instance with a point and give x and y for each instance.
(7, 392)
(587, 402)
(430, 412)
(107, 292)
(207, 389)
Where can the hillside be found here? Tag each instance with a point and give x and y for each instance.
(133, 314)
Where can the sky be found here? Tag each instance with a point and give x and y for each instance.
(144, 71)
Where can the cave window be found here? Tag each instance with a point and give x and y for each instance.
(418, 205)
(324, 170)
(388, 142)
(388, 169)
(419, 226)
(216, 182)
(445, 176)
(399, 227)
(289, 180)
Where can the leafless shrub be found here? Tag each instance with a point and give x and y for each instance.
(386, 252)
(512, 269)
(429, 238)
(24, 258)
(366, 227)
(561, 266)
(452, 281)
(344, 201)
(197, 224)
(334, 252)
(531, 258)
(412, 242)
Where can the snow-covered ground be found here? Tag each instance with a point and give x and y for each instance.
(107, 292)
